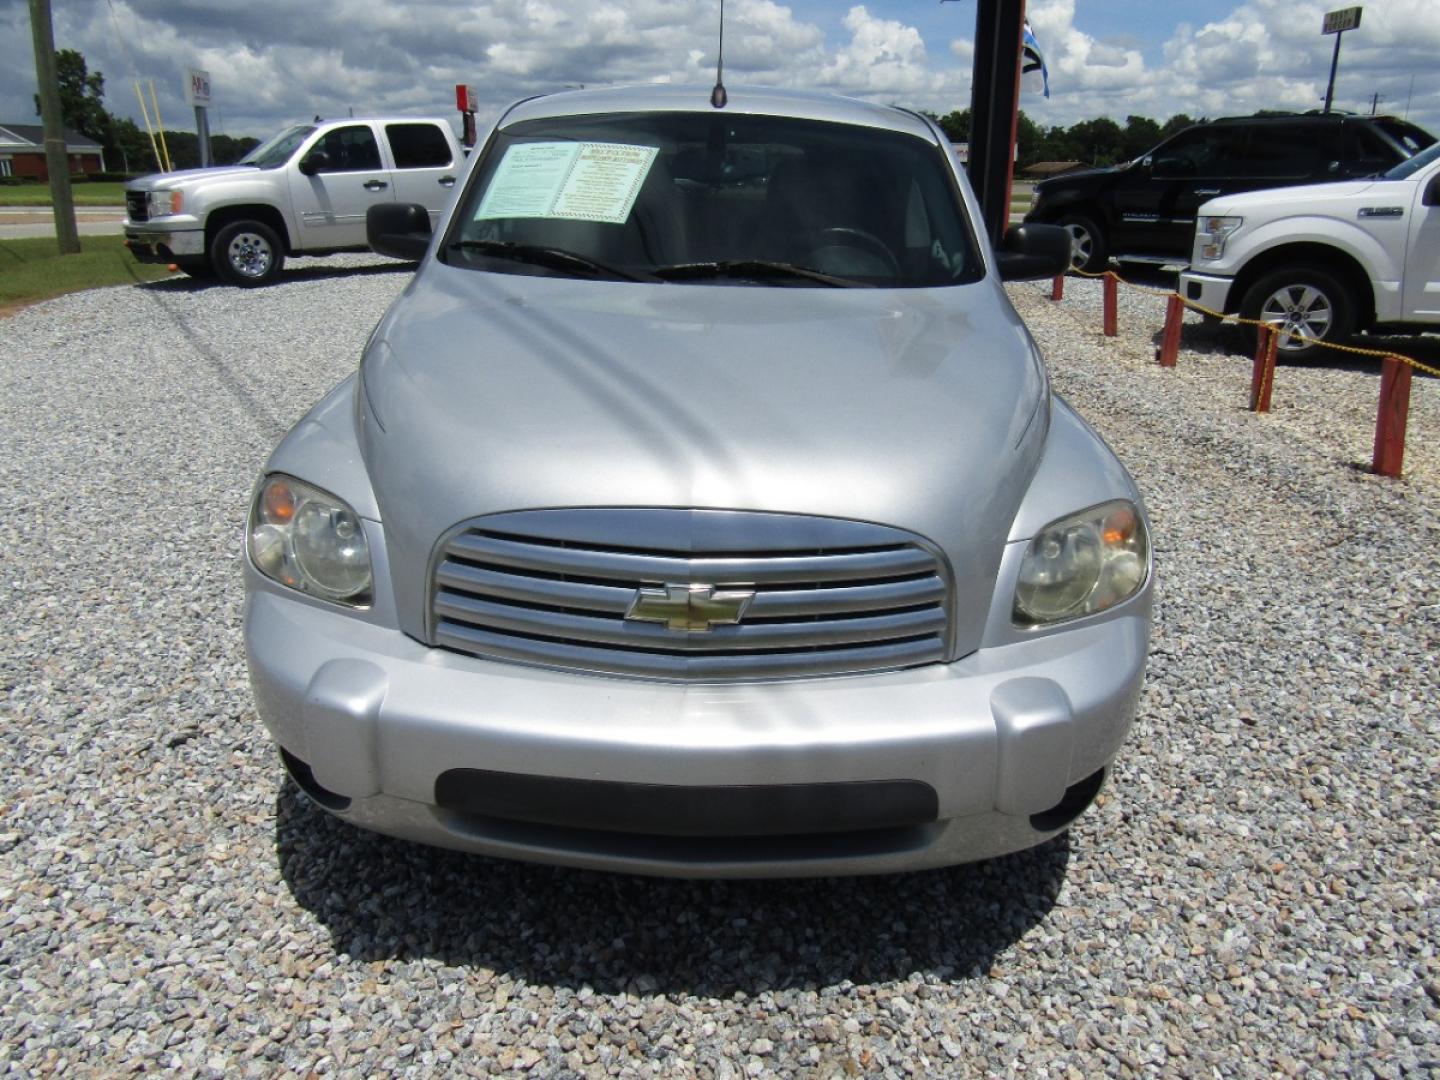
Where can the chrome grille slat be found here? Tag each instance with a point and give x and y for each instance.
(842, 599)
(137, 206)
(553, 587)
(634, 566)
(570, 627)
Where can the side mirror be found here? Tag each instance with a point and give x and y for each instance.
(1432, 192)
(1032, 251)
(317, 161)
(400, 230)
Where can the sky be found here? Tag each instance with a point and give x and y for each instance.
(276, 61)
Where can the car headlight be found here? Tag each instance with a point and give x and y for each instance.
(309, 540)
(1213, 232)
(1082, 564)
(164, 203)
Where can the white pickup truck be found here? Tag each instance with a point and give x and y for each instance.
(1327, 260)
(304, 191)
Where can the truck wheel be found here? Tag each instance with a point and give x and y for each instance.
(1087, 243)
(247, 253)
(1312, 305)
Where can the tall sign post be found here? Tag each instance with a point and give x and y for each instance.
(1337, 22)
(465, 102)
(197, 93)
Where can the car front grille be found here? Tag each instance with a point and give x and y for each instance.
(137, 206)
(553, 587)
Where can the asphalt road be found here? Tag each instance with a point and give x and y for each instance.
(17, 222)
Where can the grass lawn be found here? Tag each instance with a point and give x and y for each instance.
(32, 269)
(102, 194)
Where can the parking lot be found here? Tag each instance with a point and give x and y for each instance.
(1254, 895)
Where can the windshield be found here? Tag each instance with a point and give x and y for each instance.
(276, 150)
(1415, 164)
(713, 198)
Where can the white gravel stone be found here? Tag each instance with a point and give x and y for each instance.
(1254, 895)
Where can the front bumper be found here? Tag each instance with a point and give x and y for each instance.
(371, 721)
(150, 245)
(1208, 290)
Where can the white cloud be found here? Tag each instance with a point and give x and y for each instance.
(272, 60)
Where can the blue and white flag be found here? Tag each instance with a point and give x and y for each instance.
(1032, 59)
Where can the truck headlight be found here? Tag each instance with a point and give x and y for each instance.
(1213, 232)
(165, 203)
(1082, 564)
(309, 540)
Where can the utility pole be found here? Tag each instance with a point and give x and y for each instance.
(57, 162)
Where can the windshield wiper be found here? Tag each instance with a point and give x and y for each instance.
(554, 258)
(751, 268)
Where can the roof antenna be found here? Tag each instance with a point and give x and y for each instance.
(718, 97)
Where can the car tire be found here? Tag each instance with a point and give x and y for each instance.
(1315, 305)
(247, 253)
(1088, 250)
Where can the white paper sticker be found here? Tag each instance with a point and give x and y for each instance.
(577, 181)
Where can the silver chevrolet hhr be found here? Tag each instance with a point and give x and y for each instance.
(701, 508)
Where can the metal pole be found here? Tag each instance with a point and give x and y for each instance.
(57, 162)
(202, 131)
(994, 105)
(1334, 64)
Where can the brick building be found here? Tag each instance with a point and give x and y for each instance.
(22, 152)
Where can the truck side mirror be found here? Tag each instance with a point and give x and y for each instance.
(1033, 251)
(1432, 191)
(317, 161)
(400, 230)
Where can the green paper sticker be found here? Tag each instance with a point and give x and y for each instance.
(576, 181)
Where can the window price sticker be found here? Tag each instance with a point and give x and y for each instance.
(575, 181)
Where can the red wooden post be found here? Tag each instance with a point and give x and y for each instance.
(1111, 302)
(1170, 338)
(1390, 422)
(1262, 376)
(1057, 287)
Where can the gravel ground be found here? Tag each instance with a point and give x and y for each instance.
(1256, 894)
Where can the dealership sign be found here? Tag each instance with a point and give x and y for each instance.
(197, 88)
(1337, 22)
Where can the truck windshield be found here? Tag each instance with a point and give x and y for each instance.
(276, 150)
(1415, 164)
(713, 198)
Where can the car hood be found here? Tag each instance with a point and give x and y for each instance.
(920, 409)
(1080, 178)
(167, 181)
(1305, 198)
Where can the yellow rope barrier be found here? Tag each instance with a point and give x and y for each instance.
(1354, 349)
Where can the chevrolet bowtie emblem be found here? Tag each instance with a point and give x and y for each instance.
(690, 608)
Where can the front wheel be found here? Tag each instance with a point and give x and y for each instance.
(247, 253)
(1087, 244)
(1312, 308)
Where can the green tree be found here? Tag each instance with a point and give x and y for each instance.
(128, 148)
(82, 95)
(1141, 134)
(1179, 122)
(956, 125)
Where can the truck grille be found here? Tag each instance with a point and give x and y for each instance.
(136, 206)
(553, 587)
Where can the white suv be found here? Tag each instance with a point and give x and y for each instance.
(1327, 260)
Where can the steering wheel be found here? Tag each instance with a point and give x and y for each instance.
(844, 236)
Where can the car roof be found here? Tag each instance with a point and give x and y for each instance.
(745, 100)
